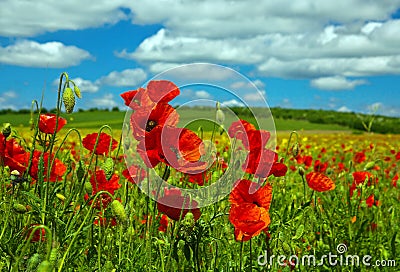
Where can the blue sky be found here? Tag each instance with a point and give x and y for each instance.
(342, 55)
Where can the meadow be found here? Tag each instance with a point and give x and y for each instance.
(75, 194)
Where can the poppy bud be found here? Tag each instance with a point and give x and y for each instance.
(60, 197)
(301, 171)
(77, 91)
(6, 131)
(188, 220)
(53, 256)
(15, 173)
(220, 117)
(118, 211)
(69, 100)
(45, 266)
(88, 187)
(108, 167)
(33, 262)
(369, 165)
(19, 208)
(295, 150)
(80, 172)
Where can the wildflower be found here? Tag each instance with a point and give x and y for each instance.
(361, 176)
(319, 182)
(359, 157)
(320, 167)
(99, 183)
(47, 123)
(57, 171)
(176, 206)
(163, 223)
(13, 155)
(249, 212)
(136, 99)
(134, 174)
(38, 236)
(144, 120)
(103, 144)
(179, 148)
(162, 91)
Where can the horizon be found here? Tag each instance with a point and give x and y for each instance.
(307, 55)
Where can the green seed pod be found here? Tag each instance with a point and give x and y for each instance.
(77, 92)
(53, 256)
(19, 208)
(108, 167)
(118, 211)
(33, 262)
(60, 197)
(301, 171)
(69, 100)
(88, 188)
(6, 131)
(295, 150)
(45, 266)
(369, 165)
(220, 117)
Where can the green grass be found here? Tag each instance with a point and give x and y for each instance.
(193, 119)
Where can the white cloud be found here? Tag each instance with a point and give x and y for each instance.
(51, 54)
(232, 103)
(6, 100)
(125, 78)
(336, 83)
(255, 97)
(28, 18)
(202, 95)
(343, 109)
(106, 101)
(85, 85)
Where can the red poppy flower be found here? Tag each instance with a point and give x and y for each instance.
(99, 183)
(198, 178)
(162, 91)
(176, 206)
(103, 144)
(13, 155)
(144, 120)
(320, 167)
(259, 162)
(57, 171)
(137, 99)
(47, 123)
(249, 135)
(104, 221)
(163, 223)
(38, 236)
(370, 201)
(249, 209)
(134, 174)
(278, 169)
(397, 156)
(319, 182)
(178, 147)
(361, 176)
(359, 157)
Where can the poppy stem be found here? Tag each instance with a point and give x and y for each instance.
(289, 141)
(241, 255)
(251, 258)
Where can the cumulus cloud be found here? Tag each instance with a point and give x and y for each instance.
(28, 18)
(51, 54)
(84, 85)
(105, 101)
(125, 78)
(343, 109)
(7, 100)
(336, 83)
(202, 94)
(232, 103)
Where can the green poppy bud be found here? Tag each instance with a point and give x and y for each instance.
(6, 131)
(19, 208)
(108, 167)
(69, 100)
(118, 211)
(77, 91)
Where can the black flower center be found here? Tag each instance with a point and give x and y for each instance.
(150, 125)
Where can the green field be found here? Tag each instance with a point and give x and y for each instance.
(95, 119)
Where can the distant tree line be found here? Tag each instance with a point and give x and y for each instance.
(44, 110)
(356, 121)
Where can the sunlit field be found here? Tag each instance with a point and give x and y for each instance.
(77, 198)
